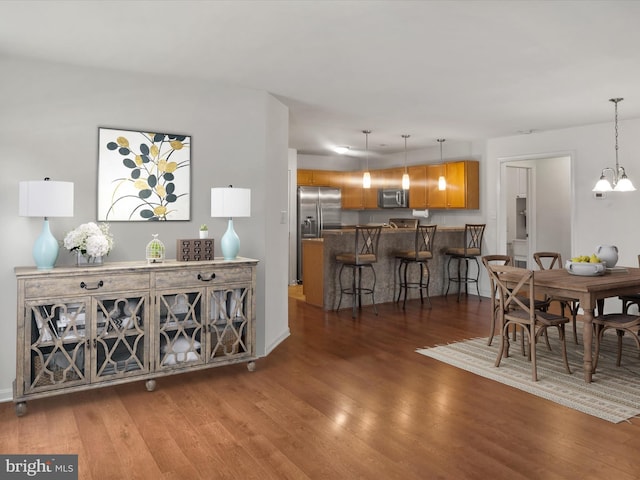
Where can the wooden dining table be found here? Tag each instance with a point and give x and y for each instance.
(589, 291)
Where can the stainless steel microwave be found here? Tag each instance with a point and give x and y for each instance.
(393, 198)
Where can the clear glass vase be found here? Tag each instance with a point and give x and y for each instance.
(88, 261)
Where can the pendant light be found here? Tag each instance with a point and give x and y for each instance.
(366, 177)
(620, 181)
(405, 176)
(442, 181)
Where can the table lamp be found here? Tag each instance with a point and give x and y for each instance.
(230, 202)
(45, 198)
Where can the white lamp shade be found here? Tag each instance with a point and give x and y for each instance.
(230, 202)
(406, 181)
(45, 198)
(366, 180)
(624, 185)
(603, 185)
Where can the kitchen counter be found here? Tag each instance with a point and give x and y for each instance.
(323, 275)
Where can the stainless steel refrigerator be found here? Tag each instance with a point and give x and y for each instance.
(319, 208)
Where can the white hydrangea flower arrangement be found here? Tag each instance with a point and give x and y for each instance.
(90, 239)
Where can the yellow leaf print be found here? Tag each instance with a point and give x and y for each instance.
(141, 184)
(176, 144)
(160, 190)
(122, 141)
(171, 167)
(162, 165)
(160, 210)
(138, 160)
(154, 150)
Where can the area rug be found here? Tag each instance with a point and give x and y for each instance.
(613, 395)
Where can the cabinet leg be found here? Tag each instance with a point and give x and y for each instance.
(251, 366)
(21, 409)
(150, 384)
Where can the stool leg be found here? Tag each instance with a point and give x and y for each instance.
(420, 285)
(406, 285)
(477, 278)
(354, 291)
(460, 279)
(426, 287)
(373, 289)
(448, 272)
(399, 280)
(340, 286)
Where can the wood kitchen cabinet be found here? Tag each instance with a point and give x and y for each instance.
(463, 184)
(370, 195)
(435, 198)
(418, 186)
(391, 177)
(463, 189)
(84, 328)
(319, 178)
(352, 192)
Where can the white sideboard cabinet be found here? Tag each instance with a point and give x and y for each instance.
(88, 327)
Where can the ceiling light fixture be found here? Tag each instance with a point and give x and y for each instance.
(366, 177)
(405, 176)
(620, 181)
(442, 181)
(341, 149)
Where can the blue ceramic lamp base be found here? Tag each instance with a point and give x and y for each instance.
(230, 243)
(45, 249)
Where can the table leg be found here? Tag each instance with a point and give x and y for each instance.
(587, 340)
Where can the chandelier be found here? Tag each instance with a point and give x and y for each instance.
(620, 181)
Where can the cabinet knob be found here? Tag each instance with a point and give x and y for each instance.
(211, 277)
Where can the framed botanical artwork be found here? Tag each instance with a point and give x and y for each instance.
(143, 176)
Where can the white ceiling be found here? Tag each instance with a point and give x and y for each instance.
(459, 70)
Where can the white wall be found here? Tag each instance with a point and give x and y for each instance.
(595, 222)
(49, 127)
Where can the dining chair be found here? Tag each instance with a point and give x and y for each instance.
(550, 260)
(364, 254)
(631, 299)
(622, 323)
(513, 286)
(486, 261)
(470, 250)
(420, 255)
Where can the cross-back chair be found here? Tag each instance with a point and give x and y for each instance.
(514, 287)
(548, 261)
(486, 261)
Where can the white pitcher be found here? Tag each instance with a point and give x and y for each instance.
(608, 254)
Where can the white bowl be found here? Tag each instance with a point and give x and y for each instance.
(585, 269)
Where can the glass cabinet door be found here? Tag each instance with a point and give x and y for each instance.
(121, 336)
(180, 330)
(56, 338)
(229, 322)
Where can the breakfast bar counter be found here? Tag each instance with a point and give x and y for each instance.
(323, 274)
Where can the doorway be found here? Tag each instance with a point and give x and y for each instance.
(536, 208)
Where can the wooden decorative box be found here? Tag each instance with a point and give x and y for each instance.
(196, 249)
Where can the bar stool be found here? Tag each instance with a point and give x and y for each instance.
(472, 249)
(420, 255)
(364, 254)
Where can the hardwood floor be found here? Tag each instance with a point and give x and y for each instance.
(339, 399)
